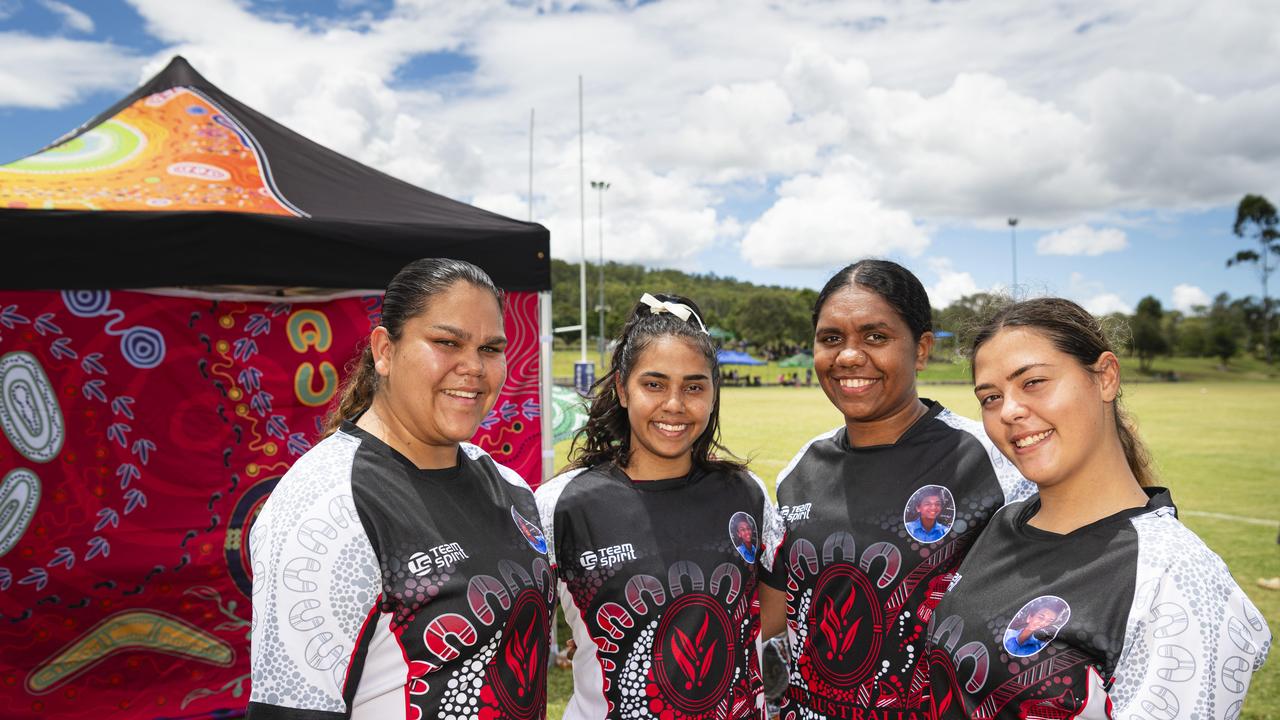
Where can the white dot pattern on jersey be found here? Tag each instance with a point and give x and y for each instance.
(1193, 638)
(316, 580)
(461, 701)
(635, 703)
(547, 495)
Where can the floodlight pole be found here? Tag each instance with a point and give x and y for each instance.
(1013, 243)
(601, 186)
(582, 214)
(530, 164)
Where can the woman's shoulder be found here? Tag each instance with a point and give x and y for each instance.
(830, 437)
(478, 455)
(1165, 544)
(328, 461)
(550, 492)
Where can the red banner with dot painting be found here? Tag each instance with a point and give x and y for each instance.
(141, 434)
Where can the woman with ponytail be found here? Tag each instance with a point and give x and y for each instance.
(656, 535)
(1089, 599)
(399, 572)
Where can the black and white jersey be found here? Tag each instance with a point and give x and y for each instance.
(871, 533)
(384, 591)
(1128, 617)
(658, 581)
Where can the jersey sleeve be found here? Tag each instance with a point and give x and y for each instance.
(774, 572)
(316, 584)
(547, 495)
(771, 529)
(1193, 639)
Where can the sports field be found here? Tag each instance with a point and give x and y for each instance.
(1214, 445)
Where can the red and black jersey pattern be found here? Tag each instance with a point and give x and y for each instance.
(658, 581)
(400, 592)
(871, 535)
(1129, 616)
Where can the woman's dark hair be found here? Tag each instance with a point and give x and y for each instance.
(407, 296)
(606, 437)
(896, 284)
(1075, 332)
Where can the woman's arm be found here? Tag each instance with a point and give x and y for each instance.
(1193, 644)
(773, 611)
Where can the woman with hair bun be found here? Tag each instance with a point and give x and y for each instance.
(398, 571)
(1089, 599)
(657, 536)
(878, 511)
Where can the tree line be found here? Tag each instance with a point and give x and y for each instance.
(770, 318)
(775, 320)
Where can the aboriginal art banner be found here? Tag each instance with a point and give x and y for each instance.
(141, 434)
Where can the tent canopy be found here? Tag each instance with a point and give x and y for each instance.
(734, 357)
(797, 360)
(106, 206)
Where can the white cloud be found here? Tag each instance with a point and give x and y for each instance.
(1105, 304)
(49, 73)
(72, 19)
(1093, 296)
(951, 285)
(829, 219)
(1082, 240)
(1055, 114)
(1186, 297)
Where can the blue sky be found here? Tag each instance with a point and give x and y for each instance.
(791, 140)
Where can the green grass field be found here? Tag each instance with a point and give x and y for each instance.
(1213, 443)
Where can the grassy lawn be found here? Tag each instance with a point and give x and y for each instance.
(1213, 443)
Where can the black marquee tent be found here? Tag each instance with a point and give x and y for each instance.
(356, 225)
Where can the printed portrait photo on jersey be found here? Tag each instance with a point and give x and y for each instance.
(929, 514)
(742, 531)
(530, 531)
(1036, 625)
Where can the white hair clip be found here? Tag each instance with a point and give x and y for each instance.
(680, 310)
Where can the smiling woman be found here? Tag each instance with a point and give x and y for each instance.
(398, 571)
(653, 534)
(879, 511)
(1096, 569)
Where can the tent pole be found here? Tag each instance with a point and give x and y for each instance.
(582, 214)
(545, 340)
(530, 164)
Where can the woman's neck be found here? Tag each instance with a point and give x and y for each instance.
(1102, 489)
(380, 422)
(642, 469)
(885, 430)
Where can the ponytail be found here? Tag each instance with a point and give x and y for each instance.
(356, 395)
(1135, 451)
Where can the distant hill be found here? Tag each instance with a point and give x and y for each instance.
(767, 315)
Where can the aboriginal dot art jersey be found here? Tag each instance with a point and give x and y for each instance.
(658, 581)
(1127, 617)
(385, 591)
(871, 533)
